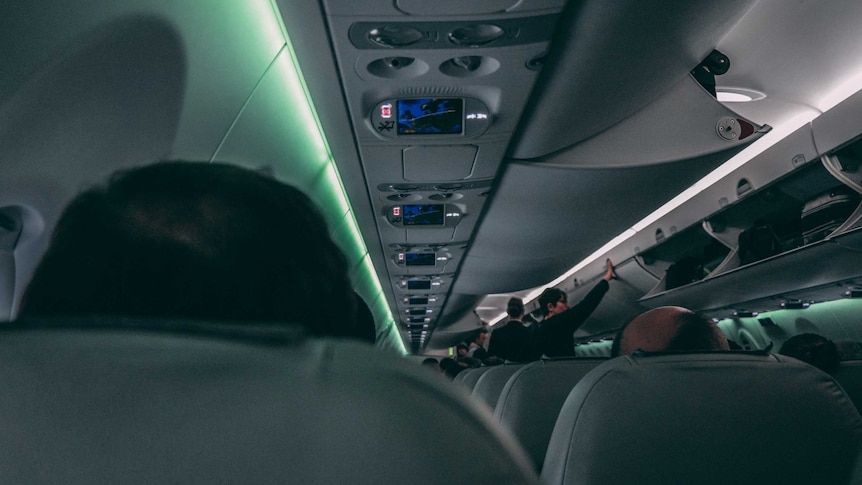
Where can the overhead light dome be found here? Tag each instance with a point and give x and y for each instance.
(737, 95)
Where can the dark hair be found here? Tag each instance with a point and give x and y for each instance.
(550, 296)
(695, 332)
(194, 240)
(450, 367)
(515, 307)
(813, 349)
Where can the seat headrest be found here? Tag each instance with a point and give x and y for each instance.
(709, 418)
(137, 404)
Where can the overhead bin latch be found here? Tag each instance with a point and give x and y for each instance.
(715, 64)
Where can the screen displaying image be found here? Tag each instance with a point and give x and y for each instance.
(417, 300)
(423, 215)
(418, 284)
(430, 116)
(420, 259)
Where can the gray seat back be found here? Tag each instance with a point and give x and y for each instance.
(141, 406)
(490, 384)
(712, 418)
(531, 399)
(468, 378)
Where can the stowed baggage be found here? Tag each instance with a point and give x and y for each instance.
(826, 212)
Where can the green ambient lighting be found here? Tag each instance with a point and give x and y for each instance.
(328, 191)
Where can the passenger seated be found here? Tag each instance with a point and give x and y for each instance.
(812, 349)
(668, 329)
(93, 398)
(196, 240)
(476, 346)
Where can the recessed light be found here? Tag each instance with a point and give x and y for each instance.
(737, 95)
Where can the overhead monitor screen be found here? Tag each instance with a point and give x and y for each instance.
(420, 259)
(424, 215)
(417, 311)
(418, 284)
(418, 300)
(430, 116)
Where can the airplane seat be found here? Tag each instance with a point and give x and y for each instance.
(705, 418)
(468, 378)
(531, 399)
(490, 384)
(145, 401)
(849, 375)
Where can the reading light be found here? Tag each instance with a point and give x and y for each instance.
(744, 314)
(476, 35)
(395, 35)
(795, 304)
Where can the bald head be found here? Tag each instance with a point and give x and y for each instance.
(670, 328)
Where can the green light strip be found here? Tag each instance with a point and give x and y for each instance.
(364, 271)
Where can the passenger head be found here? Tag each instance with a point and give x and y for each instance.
(515, 308)
(813, 349)
(553, 301)
(450, 368)
(479, 338)
(432, 363)
(668, 329)
(461, 350)
(199, 241)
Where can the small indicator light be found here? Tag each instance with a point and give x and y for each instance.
(386, 110)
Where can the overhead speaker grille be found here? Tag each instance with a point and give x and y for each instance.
(431, 91)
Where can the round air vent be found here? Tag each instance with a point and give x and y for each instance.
(476, 35)
(536, 63)
(394, 35)
(469, 66)
(397, 67)
(446, 196)
(405, 197)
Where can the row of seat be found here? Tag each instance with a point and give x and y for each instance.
(526, 398)
(150, 401)
(140, 401)
(695, 418)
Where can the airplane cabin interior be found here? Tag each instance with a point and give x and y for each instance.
(464, 153)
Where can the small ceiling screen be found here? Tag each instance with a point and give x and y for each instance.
(431, 116)
(420, 259)
(423, 215)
